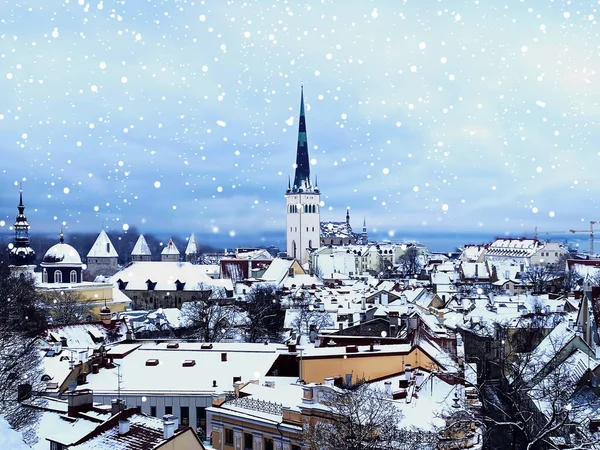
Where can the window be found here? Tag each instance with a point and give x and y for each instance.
(228, 436)
(153, 411)
(295, 447)
(58, 276)
(348, 379)
(168, 410)
(44, 276)
(269, 444)
(73, 276)
(247, 441)
(488, 346)
(184, 412)
(201, 419)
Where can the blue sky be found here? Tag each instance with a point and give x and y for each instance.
(182, 115)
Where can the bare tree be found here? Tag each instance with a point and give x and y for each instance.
(22, 320)
(539, 277)
(307, 315)
(208, 319)
(410, 261)
(264, 315)
(533, 404)
(361, 417)
(66, 307)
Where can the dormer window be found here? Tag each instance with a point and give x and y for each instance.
(151, 285)
(179, 285)
(122, 284)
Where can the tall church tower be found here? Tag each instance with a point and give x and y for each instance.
(302, 201)
(21, 254)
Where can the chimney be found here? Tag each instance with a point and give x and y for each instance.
(168, 429)
(116, 406)
(329, 381)
(223, 357)
(571, 324)
(388, 389)
(408, 371)
(363, 302)
(123, 427)
(420, 377)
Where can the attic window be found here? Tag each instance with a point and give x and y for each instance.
(173, 345)
(152, 362)
(189, 363)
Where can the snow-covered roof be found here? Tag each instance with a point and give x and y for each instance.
(61, 254)
(141, 247)
(192, 245)
(474, 270)
(10, 438)
(550, 346)
(278, 271)
(144, 432)
(170, 248)
(164, 274)
(513, 248)
(245, 360)
(53, 424)
(85, 335)
(103, 247)
(338, 230)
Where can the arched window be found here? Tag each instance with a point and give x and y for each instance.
(73, 276)
(58, 276)
(305, 208)
(44, 276)
(310, 243)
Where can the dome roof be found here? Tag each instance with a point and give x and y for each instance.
(105, 310)
(62, 254)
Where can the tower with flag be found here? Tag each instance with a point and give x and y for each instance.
(302, 200)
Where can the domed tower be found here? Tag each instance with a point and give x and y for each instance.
(21, 254)
(61, 264)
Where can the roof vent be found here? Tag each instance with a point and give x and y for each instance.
(152, 362)
(189, 363)
(173, 345)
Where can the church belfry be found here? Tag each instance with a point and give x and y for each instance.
(303, 222)
(21, 254)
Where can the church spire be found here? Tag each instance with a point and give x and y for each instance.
(302, 176)
(21, 254)
(348, 216)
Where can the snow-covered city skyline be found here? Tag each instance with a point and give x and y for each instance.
(421, 116)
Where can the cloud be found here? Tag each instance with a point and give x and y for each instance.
(453, 98)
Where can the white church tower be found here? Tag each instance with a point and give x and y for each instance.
(302, 201)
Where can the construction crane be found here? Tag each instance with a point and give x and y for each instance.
(591, 232)
(537, 233)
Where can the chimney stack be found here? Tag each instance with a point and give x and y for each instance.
(168, 429)
(116, 406)
(388, 389)
(223, 357)
(123, 427)
(329, 381)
